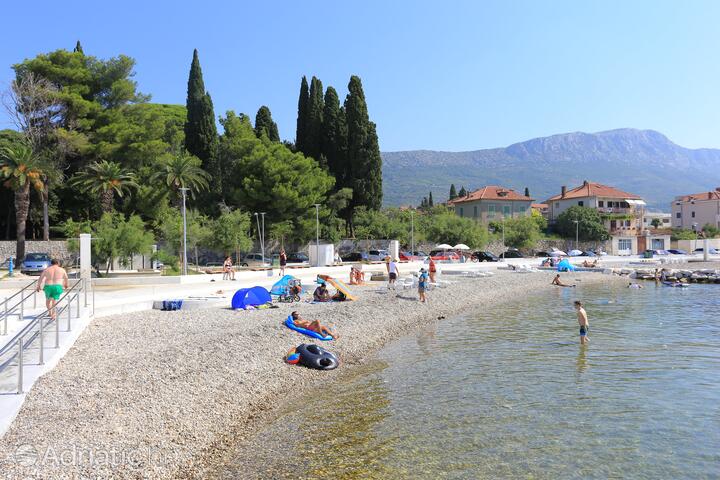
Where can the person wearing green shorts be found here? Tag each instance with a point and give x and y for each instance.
(53, 280)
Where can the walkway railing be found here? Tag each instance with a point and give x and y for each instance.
(15, 351)
(12, 304)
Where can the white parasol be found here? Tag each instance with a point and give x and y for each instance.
(461, 246)
(444, 246)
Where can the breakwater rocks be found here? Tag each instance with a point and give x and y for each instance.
(705, 275)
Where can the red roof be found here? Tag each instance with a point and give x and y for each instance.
(711, 195)
(593, 189)
(539, 206)
(492, 192)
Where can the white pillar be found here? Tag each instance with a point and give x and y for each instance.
(85, 250)
(394, 249)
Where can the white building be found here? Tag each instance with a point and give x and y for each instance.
(693, 211)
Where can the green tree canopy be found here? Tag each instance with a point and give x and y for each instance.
(105, 179)
(590, 227)
(264, 124)
(453, 193)
(302, 118)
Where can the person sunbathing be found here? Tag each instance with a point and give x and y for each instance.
(559, 283)
(313, 325)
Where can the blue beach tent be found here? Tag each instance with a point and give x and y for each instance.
(565, 266)
(250, 296)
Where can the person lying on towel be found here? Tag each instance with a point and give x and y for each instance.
(313, 325)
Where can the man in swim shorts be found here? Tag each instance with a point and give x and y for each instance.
(52, 280)
(393, 273)
(583, 321)
(313, 325)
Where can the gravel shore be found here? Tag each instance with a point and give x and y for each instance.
(164, 394)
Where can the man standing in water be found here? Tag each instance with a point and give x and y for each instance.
(52, 280)
(583, 321)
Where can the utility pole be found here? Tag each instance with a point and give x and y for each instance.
(184, 266)
(577, 232)
(412, 233)
(317, 234)
(262, 242)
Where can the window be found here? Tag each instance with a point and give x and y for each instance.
(666, 220)
(475, 211)
(461, 211)
(658, 244)
(601, 203)
(693, 215)
(507, 210)
(491, 210)
(627, 223)
(581, 203)
(624, 244)
(678, 215)
(557, 204)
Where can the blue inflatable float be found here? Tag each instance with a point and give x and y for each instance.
(289, 323)
(250, 297)
(565, 266)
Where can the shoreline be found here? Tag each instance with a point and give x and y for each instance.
(171, 393)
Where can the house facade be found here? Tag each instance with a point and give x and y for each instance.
(663, 220)
(491, 203)
(622, 214)
(694, 211)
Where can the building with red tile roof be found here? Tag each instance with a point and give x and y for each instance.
(491, 203)
(696, 210)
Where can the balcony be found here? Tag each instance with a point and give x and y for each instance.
(616, 211)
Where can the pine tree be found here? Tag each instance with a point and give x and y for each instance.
(424, 203)
(527, 192)
(264, 123)
(430, 200)
(302, 120)
(462, 192)
(334, 142)
(200, 130)
(312, 146)
(78, 48)
(453, 193)
(365, 163)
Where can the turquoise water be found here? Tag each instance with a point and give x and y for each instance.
(509, 393)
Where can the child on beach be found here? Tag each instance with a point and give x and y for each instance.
(393, 273)
(583, 321)
(423, 284)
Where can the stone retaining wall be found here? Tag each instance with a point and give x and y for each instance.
(55, 248)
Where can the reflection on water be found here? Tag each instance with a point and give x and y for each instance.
(510, 393)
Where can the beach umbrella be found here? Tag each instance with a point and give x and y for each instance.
(461, 246)
(558, 253)
(443, 246)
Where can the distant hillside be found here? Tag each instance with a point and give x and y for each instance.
(643, 162)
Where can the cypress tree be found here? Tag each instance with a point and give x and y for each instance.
(265, 123)
(301, 131)
(462, 192)
(314, 132)
(200, 130)
(527, 192)
(453, 193)
(334, 141)
(430, 200)
(364, 161)
(78, 48)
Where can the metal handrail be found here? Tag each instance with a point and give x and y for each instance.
(73, 293)
(6, 311)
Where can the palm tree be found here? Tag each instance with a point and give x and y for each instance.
(182, 171)
(105, 179)
(21, 169)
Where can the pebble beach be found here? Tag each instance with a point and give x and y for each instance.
(166, 394)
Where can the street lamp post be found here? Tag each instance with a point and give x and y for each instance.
(503, 237)
(184, 267)
(259, 231)
(577, 232)
(317, 234)
(412, 233)
(262, 241)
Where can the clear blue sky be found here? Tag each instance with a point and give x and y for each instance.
(438, 75)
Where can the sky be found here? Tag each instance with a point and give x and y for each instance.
(456, 75)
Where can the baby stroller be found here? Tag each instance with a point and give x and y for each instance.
(291, 292)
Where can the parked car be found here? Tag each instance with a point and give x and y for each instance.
(676, 251)
(711, 251)
(420, 254)
(254, 260)
(542, 254)
(354, 257)
(481, 256)
(377, 255)
(447, 256)
(297, 257)
(35, 263)
(513, 253)
(653, 252)
(589, 253)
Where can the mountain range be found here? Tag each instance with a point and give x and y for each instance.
(643, 162)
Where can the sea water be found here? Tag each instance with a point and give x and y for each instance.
(508, 392)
